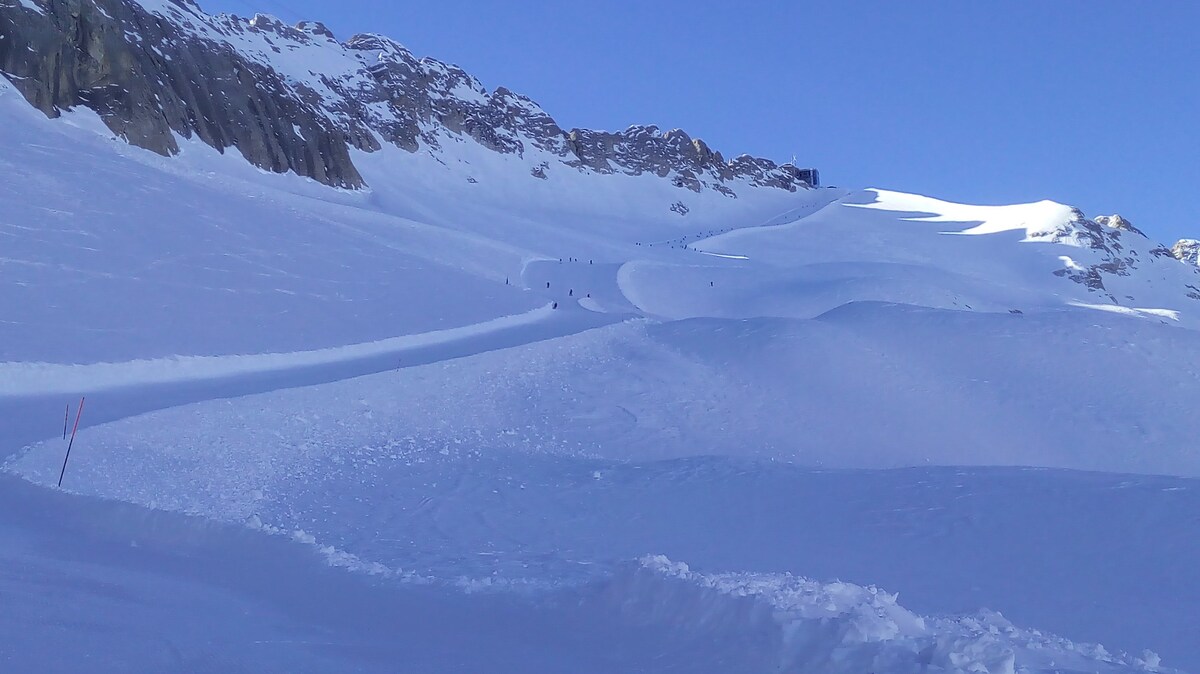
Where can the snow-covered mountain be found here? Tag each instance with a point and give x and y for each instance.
(296, 99)
(609, 386)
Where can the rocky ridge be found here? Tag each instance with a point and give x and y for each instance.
(1118, 250)
(294, 98)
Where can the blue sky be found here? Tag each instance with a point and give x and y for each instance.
(1092, 103)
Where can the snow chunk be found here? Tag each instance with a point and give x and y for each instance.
(841, 627)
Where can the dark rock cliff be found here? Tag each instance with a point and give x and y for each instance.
(148, 80)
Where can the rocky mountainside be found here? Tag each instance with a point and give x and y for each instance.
(294, 98)
(1187, 250)
(1119, 246)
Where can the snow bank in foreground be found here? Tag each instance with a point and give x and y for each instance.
(840, 627)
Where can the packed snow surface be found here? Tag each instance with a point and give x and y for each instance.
(475, 420)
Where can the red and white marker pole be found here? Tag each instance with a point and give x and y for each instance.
(72, 443)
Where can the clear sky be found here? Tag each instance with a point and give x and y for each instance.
(1089, 102)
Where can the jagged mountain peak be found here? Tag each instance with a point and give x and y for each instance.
(316, 28)
(1116, 221)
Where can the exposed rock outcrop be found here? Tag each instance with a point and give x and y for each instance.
(1118, 248)
(1117, 222)
(148, 80)
(1187, 250)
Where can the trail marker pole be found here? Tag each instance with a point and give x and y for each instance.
(71, 444)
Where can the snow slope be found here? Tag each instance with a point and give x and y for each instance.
(886, 246)
(185, 592)
(512, 468)
(127, 255)
(596, 408)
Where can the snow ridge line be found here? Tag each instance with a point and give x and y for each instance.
(339, 558)
(843, 628)
(22, 379)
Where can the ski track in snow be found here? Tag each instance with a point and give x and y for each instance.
(30, 391)
(43, 379)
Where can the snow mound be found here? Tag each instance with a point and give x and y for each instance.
(841, 627)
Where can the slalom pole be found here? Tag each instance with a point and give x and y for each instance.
(71, 444)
